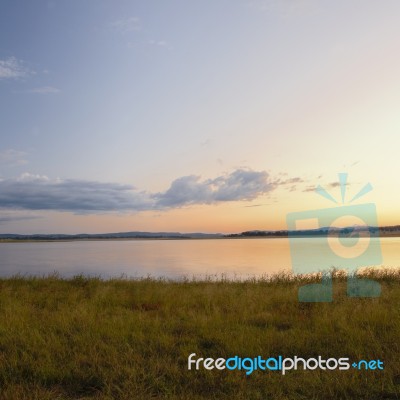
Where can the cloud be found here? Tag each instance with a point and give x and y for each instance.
(256, 205)
(237, 186)
(11, 68)
(160, 43)
(12, 158)
(242, 185)
(330, 185)
(38, 192)
(126, 25)
(337, 184)
(27, 177)
(285, 8)
(290, 184)
(14, 217)
(34, 192)
(140, 37)
(44, 90)
(185, 190)
(310, 189)
(290, 181)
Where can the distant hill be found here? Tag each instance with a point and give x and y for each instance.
(320, 232)
(323, 231)
(119, 235)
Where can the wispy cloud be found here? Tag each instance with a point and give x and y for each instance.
(44, 90)
(330, 185)
(160, 43)
(306, 184)
(337, 184)
(131, 27)
(12, 68)
(290, 181)
(289, 184)
(125, 25)
(285, 8)
(310, 188)
(35, 192)
(12, 158)
(16, 216)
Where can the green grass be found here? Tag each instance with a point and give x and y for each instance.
(123, 339)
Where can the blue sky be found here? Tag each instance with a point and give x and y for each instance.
(175, 115)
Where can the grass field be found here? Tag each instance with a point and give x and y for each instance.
(121, 339)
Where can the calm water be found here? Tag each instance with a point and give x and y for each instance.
(167, 258)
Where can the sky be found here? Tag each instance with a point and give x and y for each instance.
(208, 116)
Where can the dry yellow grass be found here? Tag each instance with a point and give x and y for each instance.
(120, 339)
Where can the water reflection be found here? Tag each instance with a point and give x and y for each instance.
(161, 258)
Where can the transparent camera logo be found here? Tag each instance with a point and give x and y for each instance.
(357, 245)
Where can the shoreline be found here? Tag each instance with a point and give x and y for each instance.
(385, 235)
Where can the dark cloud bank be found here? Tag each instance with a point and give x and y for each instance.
(31, 192)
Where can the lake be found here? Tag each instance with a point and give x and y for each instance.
(240, 258)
